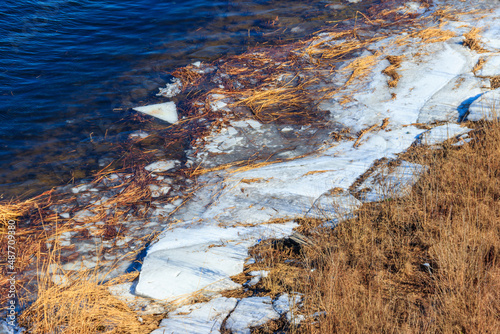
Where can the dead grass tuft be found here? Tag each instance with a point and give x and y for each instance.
(361, 67)
(338, 45)
(390, 70)
(495, 82)
(81, 303)
(473, 42)
(12, 210)
(446, 13)
(479, 65)
(187, 75)
(288, 100)
(433, 35)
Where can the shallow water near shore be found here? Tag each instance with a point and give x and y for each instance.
(69, 71)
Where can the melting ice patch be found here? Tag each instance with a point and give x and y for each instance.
(251, 312)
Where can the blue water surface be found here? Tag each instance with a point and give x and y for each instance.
(69, 67)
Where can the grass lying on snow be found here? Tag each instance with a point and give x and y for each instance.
(423, 264)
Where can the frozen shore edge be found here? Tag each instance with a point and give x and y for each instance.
(210, 241)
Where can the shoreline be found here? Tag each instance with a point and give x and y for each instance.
(324, 173)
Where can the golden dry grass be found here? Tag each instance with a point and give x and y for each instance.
(274, 103)
(81, 303)
(55, 308)
(433, 35)
(495, 82)
(338, 46)
(361, 67)
(427, 263)
(391, 70)
(479, 65)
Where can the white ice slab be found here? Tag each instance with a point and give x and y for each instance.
(251, 312)
(202, 318)
(165, 111)
(386, 182)
(334, 206)
(491, 68)
(157, 191)
(486, 107)
(373, 100)
(442, 133)
(452, 101)
(491, 36)
(189, 259)
(285, 303)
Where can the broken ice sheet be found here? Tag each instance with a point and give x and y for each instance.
(390, 182)
(198, 318)
(171, 89)
(165, 111)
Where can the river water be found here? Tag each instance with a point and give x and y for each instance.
(69, 70)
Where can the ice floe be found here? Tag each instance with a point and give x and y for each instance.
(189, 259)
(387, 181)
(491, 68)
(165, 111)
(442, 133)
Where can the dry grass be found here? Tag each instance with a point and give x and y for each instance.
(428, 263)
(391, 70)
(338, 46)
(361, 67)
(275, 103)
(188, 75)
(81, 304)
(479, 65)
(473, 42)
(363, 132)
(433, 35)
(495, 82)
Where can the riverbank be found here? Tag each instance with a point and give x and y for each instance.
(315, 130)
